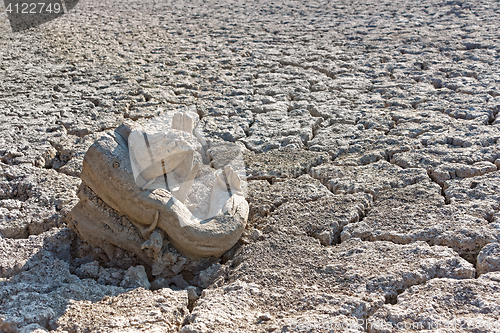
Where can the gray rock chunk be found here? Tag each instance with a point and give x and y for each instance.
(488, 259)
(270, 105)
(323, 219)
(329, 137)
(179, 281)
(111, 276)
(433, 306)
(334, 112)
(66, 153)
(372, 178)
(136, 277)
(89, 270)
(341, 138)
(14, 254)
(428, 193)
(137, 310)
(463, 135)
(209, 275)
(374, 119)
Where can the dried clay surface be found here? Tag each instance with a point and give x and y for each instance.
(370, 132)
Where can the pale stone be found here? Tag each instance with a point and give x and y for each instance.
(109, 173)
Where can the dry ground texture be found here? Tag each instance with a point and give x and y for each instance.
(372, 136)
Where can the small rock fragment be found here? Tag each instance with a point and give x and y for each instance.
(209, 275)
(179, 281)
(90, 270)
(136, 277)
(488, 259)
(192, 297)
(264, 317)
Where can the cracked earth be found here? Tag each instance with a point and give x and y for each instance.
(371, 136)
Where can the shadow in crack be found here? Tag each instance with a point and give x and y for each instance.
(54, 280)
(36, 283)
